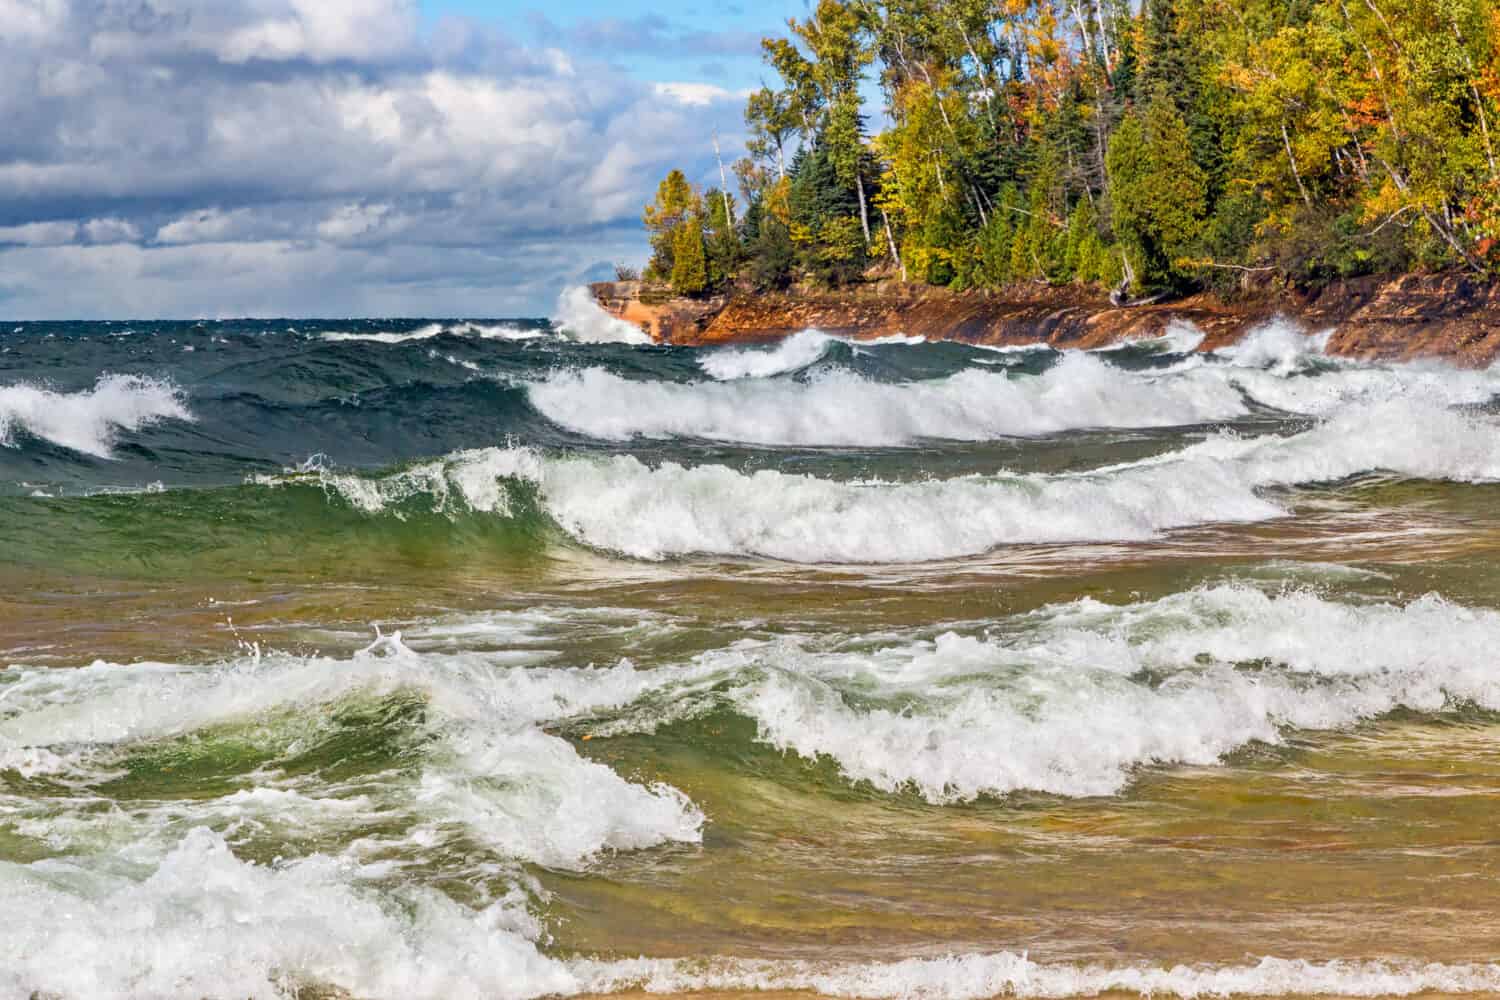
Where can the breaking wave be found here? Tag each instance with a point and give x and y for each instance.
(839, 408)
(792, 354)
(580, 318)
(89, 421)
(1072, 699)
(498, 331)
(1276, 368)
(623, 505)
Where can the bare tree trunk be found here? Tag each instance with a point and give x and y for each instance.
(974, 197)
(891, 239)
(1109, 61)
(723, 182)
(1484, 122)
(1292, 159)
(864, 214)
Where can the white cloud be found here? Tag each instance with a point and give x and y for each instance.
(101, 231)
(40, 234)
(322, 30)
(350, 222)
(191, 142)
(698, 94)
(208, 226)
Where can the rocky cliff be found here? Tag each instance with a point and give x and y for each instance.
(1450, 316)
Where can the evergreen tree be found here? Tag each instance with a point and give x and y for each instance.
(1156, 190)
(689, 265)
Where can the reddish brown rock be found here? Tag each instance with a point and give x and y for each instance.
(1450, 316)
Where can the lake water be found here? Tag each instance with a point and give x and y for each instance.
(402, 659)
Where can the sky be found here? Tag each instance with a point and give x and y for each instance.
(222, 158)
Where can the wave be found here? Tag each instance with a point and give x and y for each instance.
(319, 923)
(89, 421)
(488, 769)
(1180, 337)
(842, 409)
(1276, 367)
(792, 354)
(623, 505)
(979, 976)
(1280, 366)
(580, 318)
(499, 331)
(1279, 345)
(1074, 699)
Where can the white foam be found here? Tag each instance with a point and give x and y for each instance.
(580, 317)
(1056, 701)
(978, 976)
(315, 921)
(840, 408)
(621, 504)
(1279, 346)
(89, 421)
(488, 769)
(792, 354)
(500, 331)
(205, 923)
(1180, 337)
(891, 339)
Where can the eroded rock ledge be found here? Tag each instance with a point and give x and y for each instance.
(1451, 316)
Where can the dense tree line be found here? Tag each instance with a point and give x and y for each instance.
(1145, 147)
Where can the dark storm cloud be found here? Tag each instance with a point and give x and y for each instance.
(167, 157)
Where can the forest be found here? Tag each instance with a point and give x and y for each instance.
(1150, 147)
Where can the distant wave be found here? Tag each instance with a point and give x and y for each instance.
(88, 421)
(841, 408)
(1276, 367)
(500, 331)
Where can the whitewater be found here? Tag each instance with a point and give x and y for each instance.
(494, 657)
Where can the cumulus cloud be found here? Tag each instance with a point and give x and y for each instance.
(198, 156)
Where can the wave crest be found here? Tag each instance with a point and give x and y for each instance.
(89, 421)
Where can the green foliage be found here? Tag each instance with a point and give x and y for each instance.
(675, 203)
(1156, 190)
(721, 241)
(689, 263)
(1186, 143)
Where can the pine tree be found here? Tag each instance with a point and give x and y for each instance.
(689, 266)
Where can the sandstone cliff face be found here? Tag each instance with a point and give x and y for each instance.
(1451, 316)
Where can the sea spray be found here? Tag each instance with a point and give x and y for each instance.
(580, 318)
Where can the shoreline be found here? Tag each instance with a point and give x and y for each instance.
(1454, 317)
